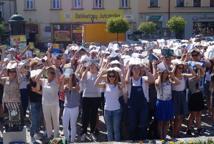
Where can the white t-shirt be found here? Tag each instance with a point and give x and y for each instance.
(112, 95)
(164, 91)
(207, 77)
(181, 86)
(90, 90)
(23, 82)
(136, 82)
(50, 92)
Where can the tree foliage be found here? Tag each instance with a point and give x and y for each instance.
(2, 28)
(117, 25)
(176, 24)
(147, 27)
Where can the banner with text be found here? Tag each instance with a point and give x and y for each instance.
(91, 15)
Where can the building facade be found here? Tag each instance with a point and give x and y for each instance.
(199, 14)
(62, 20)
(7, 9)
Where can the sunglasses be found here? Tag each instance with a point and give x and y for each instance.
(181, 68)
(194, 55)
(53, 73)
(111, 76)
(12, 71)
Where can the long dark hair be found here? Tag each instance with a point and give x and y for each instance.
(74, 80)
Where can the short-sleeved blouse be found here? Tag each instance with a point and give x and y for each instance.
(11, 91)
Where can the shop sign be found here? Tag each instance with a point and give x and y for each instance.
(62, 36)
(93, 15)
(204, 17)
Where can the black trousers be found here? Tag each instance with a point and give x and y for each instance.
(89, 113)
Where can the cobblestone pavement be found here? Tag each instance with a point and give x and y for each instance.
(101, 137)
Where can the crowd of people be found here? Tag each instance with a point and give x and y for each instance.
(155, 83)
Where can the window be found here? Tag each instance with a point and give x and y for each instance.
(211, 3)
(98, 4)
(29, 4)
(125, 4)
(180, 3)
(196, 3)
(153, 3)
(77, 4)
(55, 4)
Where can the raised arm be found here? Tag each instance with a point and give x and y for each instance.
(99, 79)
(84, 74)
(173, 79)
(189, 75)
(23, 52)
(127, 78)
(149, 78)
(38, 77)
(158, 80)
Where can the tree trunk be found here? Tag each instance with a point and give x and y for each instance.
(117, 37)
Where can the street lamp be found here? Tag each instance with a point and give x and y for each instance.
(169, 9)
(92, 18)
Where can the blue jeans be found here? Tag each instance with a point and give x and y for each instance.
(112, 120)
(36, 116)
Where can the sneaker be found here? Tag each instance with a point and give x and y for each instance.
(33, 140)
(37, 136)
(189, 132)
(83, 137)
(96, 131)
(200, 131)
(93, 137)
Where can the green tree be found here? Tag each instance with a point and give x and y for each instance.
(117, 25)
(147, 27)
(176, 24)
(2, 30)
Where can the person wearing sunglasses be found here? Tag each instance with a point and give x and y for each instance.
(112, 109)
(137, 81)
(50, 100)
(164, 105)
(179, 94)
(11, 93)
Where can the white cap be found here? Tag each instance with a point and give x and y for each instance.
(35, 73)
(22, 63)
(12, 50)
(68, 72)
(115, 62)
(157, 51)
(116, 69)
(84, 58)
(12, 65)
(177, 62)
(135, 61)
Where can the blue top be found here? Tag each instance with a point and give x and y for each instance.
(72, 99)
